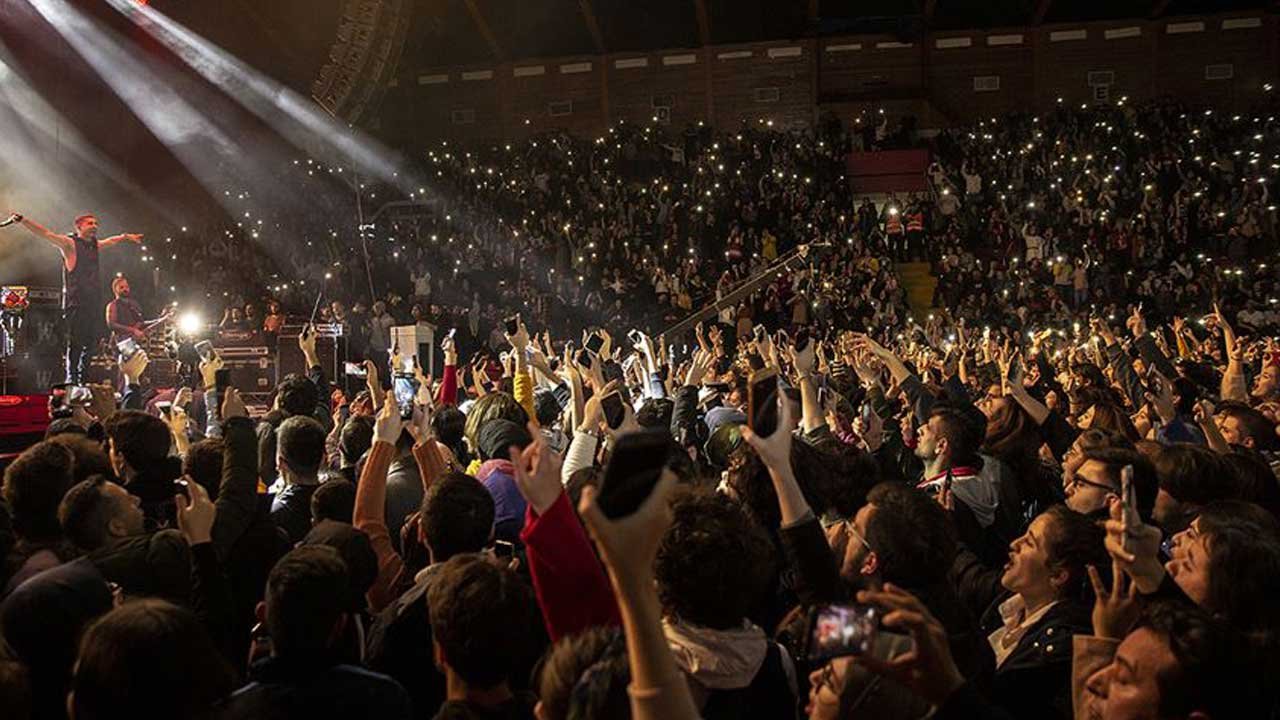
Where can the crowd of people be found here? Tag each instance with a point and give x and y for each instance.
(1053, 495)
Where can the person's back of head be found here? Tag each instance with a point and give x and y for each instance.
(491, 406)
(655, 413)
(496, 437)
(1190, 477)
(964, 428)
(138, 442)
(335, 499)
(297, 395)
(356, 439)
(306, 603)
(449, 425)
(1255, 481)
(90, 458)
(911, 535)
(34, 484)
(483, 620)
(585, 676)
(148, 659)
(714, 563)
(457, 517)
(300, 446)
(203, 463)
(357, 554)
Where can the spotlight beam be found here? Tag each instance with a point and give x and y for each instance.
(294, 116)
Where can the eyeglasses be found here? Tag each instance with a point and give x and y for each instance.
(830, 680)
(1077, 480)
(853, 530)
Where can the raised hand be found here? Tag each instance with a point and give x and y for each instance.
(209, 369)
(928, 668)
(232, 405)
(196, 513)
(1114, 610)
(699, 366)
(537, 472)
(387, 426)
(134, 367)
(1135, 546)
(1136, 324)
(629, 545)
(775, 450)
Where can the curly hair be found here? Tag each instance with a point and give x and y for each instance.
(715, 561)
(748, 478)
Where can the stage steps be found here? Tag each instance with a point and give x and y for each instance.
(918, 280)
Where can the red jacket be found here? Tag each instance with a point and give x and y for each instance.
(571, 586)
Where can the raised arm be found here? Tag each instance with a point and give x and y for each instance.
(370, 507)
(117, 239)
(62, 242)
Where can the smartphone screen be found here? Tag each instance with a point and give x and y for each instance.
(1128, 499)
(636, 337)
(594, 343)
(584, 359)
(840, 630)
(801, 340)
(406, 388)
(503, 549)
(634, 467)
(614, 413)
(762, 403)
(512, 324)
(356, 370)
(128, 348)
(204, 349)
(165, 408)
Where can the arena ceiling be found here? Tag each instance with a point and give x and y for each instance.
(461, 32)
(292, 39)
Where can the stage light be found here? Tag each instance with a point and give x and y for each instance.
(190, 323)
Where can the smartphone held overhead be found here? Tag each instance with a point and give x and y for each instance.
(633, 470)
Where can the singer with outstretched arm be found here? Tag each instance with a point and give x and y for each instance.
(81, 285)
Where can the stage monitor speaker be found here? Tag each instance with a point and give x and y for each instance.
(331, 351)
(250, 372)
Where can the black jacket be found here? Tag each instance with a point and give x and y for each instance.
(769, 696)
(400, 646)
(317, 689)
(248, 544)
(1035, 680)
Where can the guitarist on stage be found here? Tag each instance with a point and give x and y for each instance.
(124, 314)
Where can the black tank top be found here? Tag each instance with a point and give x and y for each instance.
(82, 287)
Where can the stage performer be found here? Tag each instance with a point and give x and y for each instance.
(81, 285)
(124, 314)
